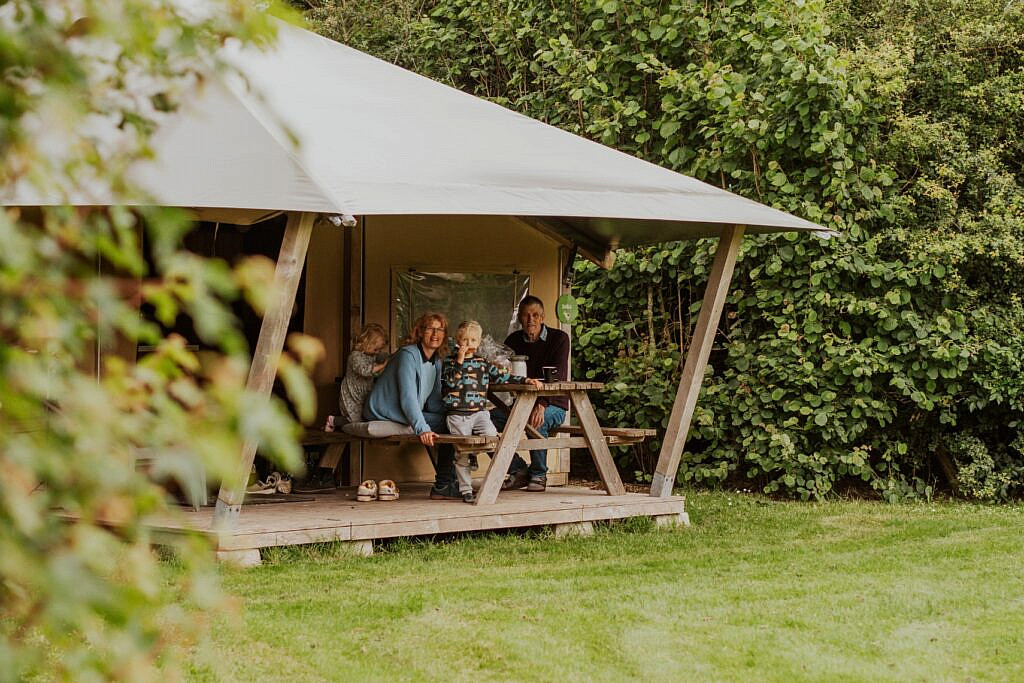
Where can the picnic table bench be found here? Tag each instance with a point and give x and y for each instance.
(615, 436)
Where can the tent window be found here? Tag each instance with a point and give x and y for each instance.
(489, 298)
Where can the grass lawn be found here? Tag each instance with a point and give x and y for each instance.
(755, 589)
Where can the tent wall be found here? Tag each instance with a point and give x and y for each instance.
(325, 307)
(458, 244)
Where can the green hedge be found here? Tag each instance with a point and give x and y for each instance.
(867, 358)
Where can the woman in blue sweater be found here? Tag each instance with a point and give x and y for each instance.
(409, 392)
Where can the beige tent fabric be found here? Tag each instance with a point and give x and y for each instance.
(375, 139)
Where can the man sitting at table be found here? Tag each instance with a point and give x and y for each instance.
(544, 347)
(409, 392)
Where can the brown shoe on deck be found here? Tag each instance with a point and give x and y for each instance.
(537, 484)
(516, 480)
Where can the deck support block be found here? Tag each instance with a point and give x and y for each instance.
(678, 519)
(573, 529)
(359, 548)
(696, 361)
(250, 557)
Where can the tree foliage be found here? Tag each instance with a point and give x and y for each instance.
(897, 123)
(82, 594)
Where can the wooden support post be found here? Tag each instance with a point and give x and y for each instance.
(355, 463)
(696, 361)
(597, 444)
(507, 446)
(268, 351)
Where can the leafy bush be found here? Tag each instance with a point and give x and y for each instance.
(82, 594)
(897, 123)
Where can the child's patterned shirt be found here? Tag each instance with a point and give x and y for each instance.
(464, 387)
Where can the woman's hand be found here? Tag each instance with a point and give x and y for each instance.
(428, 438)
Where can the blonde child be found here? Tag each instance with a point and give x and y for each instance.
(465, 378)
(367, 360)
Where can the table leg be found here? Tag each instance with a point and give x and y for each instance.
(507, 446)
(597, 443)
(530, 431)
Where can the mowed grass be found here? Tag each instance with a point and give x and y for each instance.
(754, 590)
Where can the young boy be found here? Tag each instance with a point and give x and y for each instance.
(464, 382)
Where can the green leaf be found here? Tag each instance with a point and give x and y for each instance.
(668, 128)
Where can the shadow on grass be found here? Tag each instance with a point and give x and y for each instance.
(434, 545)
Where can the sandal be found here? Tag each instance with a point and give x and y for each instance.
(387, 490)
(367, 491)
(268, 486)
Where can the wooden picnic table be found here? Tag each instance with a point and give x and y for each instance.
(514, 436)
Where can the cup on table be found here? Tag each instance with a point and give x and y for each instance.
(550, 373)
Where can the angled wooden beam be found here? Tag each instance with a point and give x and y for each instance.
(696, 360)
(268, 351)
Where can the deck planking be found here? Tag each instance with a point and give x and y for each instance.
(336, 516)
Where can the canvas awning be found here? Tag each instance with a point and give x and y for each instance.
(375, 139)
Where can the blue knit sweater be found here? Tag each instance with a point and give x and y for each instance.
(409, 385)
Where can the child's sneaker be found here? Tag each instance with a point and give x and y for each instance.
(367, 491)
(387, 490)
(473, 464)
(468, 497)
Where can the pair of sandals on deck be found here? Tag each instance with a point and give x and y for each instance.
(370, 490)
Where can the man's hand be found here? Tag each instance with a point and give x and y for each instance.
(537, 416)
(536, 384)
(428, 438)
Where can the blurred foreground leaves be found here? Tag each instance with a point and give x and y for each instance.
(82, 593)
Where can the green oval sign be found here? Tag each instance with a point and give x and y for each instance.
(567, 308)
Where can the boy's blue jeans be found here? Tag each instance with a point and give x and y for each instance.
(553, 417)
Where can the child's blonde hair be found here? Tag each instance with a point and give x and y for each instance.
(369, 332)
(469, 326)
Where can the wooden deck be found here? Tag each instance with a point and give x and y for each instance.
(336, 516)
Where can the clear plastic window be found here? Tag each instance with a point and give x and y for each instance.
(489, 298)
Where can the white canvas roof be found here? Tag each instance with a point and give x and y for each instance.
(375, 139)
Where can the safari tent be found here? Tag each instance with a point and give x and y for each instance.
(378, 179)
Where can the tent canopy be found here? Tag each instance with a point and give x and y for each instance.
(376, 139)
